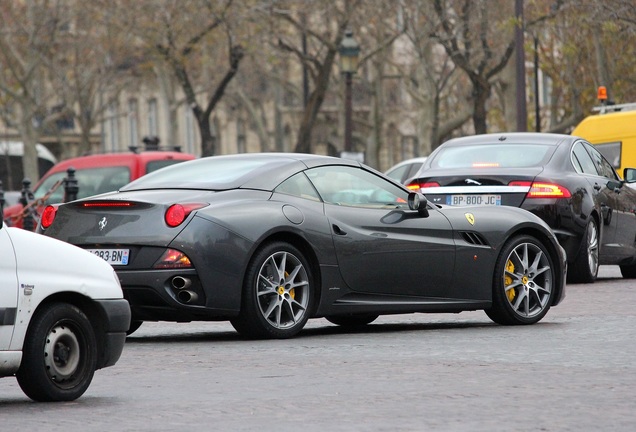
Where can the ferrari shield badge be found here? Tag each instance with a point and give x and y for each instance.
(470, 218)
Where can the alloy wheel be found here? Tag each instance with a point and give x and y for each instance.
(528, 280)
(283, 290)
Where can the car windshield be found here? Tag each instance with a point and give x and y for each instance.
(155, 165)
(493, 155)
(219, 172)
(91, 181)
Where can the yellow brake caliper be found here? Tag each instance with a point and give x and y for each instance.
(281, 290)
(511, 293)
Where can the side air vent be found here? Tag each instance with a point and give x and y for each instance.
(473, 238)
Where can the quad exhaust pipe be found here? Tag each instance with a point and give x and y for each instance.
(184, 295)
(179, 282)
(187, 296)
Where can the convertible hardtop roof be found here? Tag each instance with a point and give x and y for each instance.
(262, 171)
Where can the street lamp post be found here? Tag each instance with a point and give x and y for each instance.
(349, 51)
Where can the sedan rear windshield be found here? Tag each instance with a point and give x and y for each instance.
(493, 156)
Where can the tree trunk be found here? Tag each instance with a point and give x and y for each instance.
(317, 97)
(208, 144)
(30, 155)
(481, 93)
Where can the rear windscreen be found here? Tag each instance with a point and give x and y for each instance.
(493, 156)
(154, 165)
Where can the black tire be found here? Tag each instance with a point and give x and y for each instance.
(59, 354)
(523, 283)
(628, 271)
(584, 269)
(134, 326)
(353, 320)
(277, 294)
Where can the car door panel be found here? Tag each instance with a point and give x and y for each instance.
(393, 251)
(8, 290)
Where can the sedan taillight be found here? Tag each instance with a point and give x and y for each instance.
(417, 186)
(543, 189)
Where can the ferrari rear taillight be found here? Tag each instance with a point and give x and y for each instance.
(172, 259)
(543, 189)
(177, 213)
(48, 216)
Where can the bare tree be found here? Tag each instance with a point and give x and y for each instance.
(181, 33)
(323, 32)
(431, 79)
(90, 67)
(479, 39)
(28, 36)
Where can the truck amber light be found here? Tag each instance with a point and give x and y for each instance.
(48, 216)
(173, 258)
(177, 213)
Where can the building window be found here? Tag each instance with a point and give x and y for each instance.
(133, 132)
(113, 127)
(241, 145)
(152, 117)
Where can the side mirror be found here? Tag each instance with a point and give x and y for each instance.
(629, 174)
(614, 185)
(417, 201)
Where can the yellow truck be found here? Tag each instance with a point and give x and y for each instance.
(613, 132)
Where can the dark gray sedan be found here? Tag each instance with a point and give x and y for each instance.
(268, 241)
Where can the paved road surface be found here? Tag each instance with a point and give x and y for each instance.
(574, 371)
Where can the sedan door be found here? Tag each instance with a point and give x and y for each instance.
(602, 196)
(623, 208)
(383, 247)
(8, 290)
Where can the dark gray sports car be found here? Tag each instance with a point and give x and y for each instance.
(270, 240)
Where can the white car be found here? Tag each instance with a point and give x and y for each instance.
(405, 170)
(62, 315)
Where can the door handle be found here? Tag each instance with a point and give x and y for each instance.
(337, 230)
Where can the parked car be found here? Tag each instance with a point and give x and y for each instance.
(270, 240)
(95, 174)
(405, 170)
(62, 315)
(561, 178)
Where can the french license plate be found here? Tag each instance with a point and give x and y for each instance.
(112, 256)
(470, 200)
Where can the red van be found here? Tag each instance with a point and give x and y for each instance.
(95, 174)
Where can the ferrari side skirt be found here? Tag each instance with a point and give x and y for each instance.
(355, 302)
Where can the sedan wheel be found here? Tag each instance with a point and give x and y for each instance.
(523, 284)
(277, 295)
(585, 267)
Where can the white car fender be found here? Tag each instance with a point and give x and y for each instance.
(48, 266)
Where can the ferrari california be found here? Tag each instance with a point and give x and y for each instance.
(561, 178)
(268, 241)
